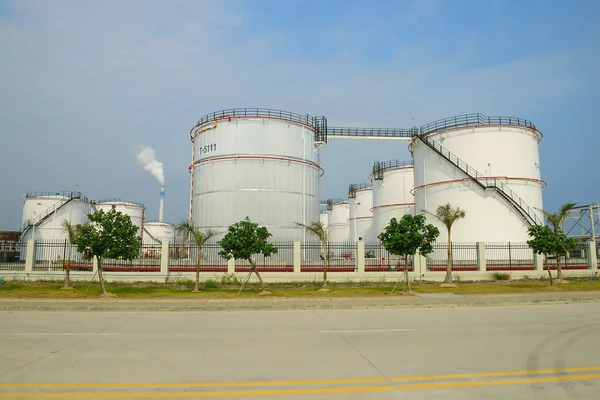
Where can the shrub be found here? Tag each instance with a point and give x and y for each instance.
(501, 276)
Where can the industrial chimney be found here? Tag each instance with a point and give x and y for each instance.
(162, 203)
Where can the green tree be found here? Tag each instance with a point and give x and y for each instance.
(448, 215)
(320, 231)
(71, 232)
(546, 241)
(556, 220)
(243, 240)
(108, 235)
(408, 236)
(199, 238)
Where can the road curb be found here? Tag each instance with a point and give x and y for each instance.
(271, 307)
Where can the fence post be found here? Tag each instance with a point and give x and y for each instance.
(538, 262)
(297, 256)
(592, 256)
(164, 257)
(420, 263)
(231, 266)
(360, 257)
(30, 256)
(481, 256)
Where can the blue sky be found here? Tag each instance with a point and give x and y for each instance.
(84, 84)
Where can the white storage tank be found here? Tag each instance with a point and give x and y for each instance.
(44, 212)
(257, 163)
(157, 232)
(324, 219)
(500, 152)
(360, 203)
(393, 182)
(133, 209)
(337, 220)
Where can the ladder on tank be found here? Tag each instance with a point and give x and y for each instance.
(483, 182)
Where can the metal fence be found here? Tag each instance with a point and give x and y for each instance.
(282, 261)
(378, 259)
(509, 257)
(183, 257)
(12, 255)
(53, 255)
(341, 257)
(147, 261)
(464, 257)
(576, 259)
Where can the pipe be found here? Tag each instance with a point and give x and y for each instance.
(162, 203)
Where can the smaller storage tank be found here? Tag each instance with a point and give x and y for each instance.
(133, 209)
(44, 212)
(360, 202)
(157, 232)
(324, 218)
(42, 218)
(393, 182)
(337, 220)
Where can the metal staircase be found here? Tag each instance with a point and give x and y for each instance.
(151, 237)
(485, 183)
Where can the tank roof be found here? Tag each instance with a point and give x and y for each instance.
(117, 201)
(53, 195)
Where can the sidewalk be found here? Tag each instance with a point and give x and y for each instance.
(294, 303)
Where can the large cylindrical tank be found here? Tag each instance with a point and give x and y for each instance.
(337, 221)
(133, 209)
(499, 151)
(157, 232)
(256, 163)
(393, 182)
(360, 203)
(47, 210)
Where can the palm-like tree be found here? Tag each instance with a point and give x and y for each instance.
(320, 231)
(556, 220)
(448, 215)
(71, 232)
(199, 237)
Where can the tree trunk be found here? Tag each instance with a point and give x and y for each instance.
(197, 282)
(559, 274)
(100, 278)
(548, 268)
(255, 270)
(406, 272)
(325, 267)
(67, 284)
(448, 279)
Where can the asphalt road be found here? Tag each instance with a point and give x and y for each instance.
(523, 352)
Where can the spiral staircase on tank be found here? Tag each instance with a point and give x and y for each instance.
(66, 198)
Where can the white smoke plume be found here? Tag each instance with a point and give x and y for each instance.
(147, 158)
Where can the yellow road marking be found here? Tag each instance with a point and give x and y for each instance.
(492, 374)
(447, 385)
(288, 383)
(283, 392)
(174, 395)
